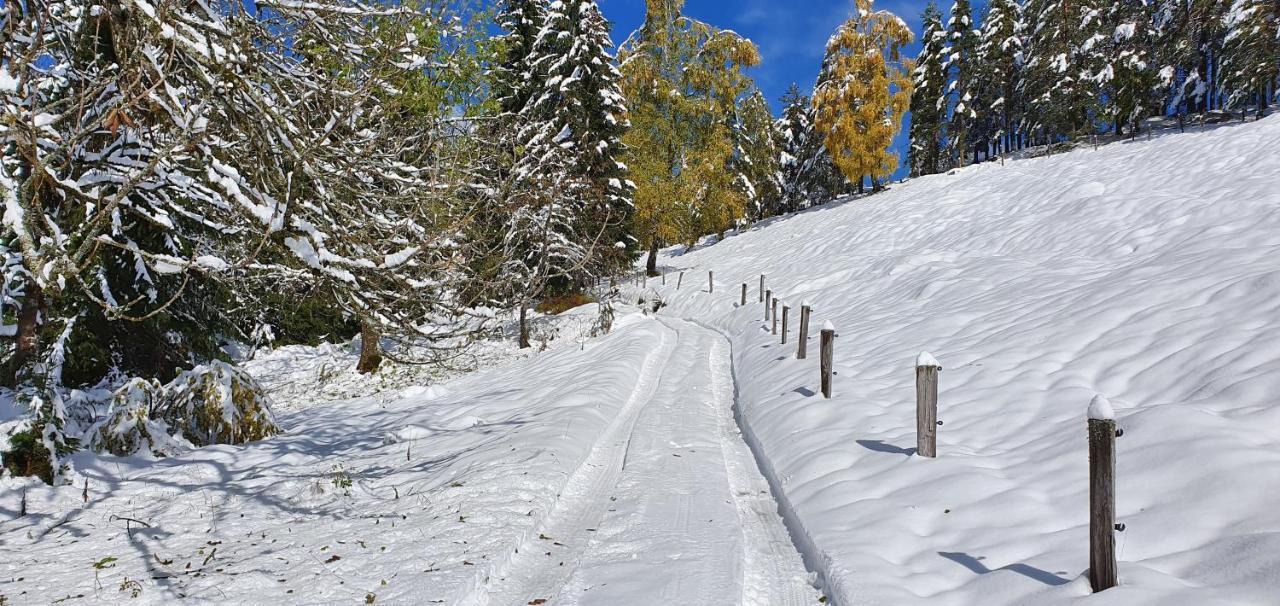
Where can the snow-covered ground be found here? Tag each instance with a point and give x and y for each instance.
(612, 471)
(1145, 271)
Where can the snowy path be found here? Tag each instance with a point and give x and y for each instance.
(669, 507)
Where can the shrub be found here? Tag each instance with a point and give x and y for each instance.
(217, 403)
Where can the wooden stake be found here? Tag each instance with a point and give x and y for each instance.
(768, 295)
(711, 283)
(827, 352)
(679, 279)
(785, 310)
(775, 316)
(804, 332)
(927, 405)
(1102, 496)
(762, 288)
(744, 294)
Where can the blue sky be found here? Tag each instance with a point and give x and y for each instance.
(791, 35)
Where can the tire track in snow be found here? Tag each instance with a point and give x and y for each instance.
(773, 572)
(528, 573)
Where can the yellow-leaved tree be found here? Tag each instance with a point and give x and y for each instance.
(863, 91)
(682, 79)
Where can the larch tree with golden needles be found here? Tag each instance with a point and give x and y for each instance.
(863, 93)
(683, 79)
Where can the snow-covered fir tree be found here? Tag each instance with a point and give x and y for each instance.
(1057, 101)
(1124, 65)
(571, 198)
(511, 82)
(756, 156)
(927, 96)
(807, 173)
(960, 66)
(1251, 53)
(998, 61)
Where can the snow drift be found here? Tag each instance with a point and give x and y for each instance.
(1144, 271)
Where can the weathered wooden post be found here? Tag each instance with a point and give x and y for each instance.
(711, 283)
(1102, 495)
(927, 368)
(768, 295)
(761, 288)
(827, 352)
(679, 279)
(775, 315)
(804, 330)
(664, 277)
(744, 294)
(785, 310)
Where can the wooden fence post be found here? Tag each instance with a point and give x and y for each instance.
(774, 315)
(664, 277)
(744, 294)
(785, 310)
(804, 330)
(679, 279)
(768, 295)
(761, 288)
(827, 352)
(1102, 495)
(711, 283)
(927, 405)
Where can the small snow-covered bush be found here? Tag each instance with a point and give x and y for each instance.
(132, 424)
(650, 301)
(217, 403)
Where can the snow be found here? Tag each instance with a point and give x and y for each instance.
(689, 441)
(1143, 270)
(1100, 409)
(926, 359)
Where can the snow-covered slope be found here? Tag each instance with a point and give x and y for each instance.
(1145, 271)
(610, 472)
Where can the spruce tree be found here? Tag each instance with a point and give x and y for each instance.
(997, 64)
(1251, 53)
(1124, 69)
(570, 197)
(511, 81)
(808, 175)
(1057, 101)
(959, 65)
(929, 79)
(756, 157)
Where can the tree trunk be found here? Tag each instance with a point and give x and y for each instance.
(651, 266)
(524, 325)
(27, 335)
(370, 350)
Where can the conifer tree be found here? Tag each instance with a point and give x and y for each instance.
(1123, 68)
(757, 154)
(569, 198)
(929, 80)
(860, 104)
(808, 175)
(1057, 100)
(959, 65)
(997, 63)
(1251, 53)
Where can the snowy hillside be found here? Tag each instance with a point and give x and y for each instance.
(1145, 271)
(611, 471)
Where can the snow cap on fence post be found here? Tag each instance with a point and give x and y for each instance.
(1100, 409)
